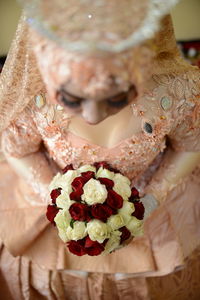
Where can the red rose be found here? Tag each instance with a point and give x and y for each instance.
(93, 248)
(87, 175)
(139, 210)
(105, 242)
(76, 196)
(76, 247)
(79, 212)
(134, 195)
(102, 164)
(54, 194)
(78, 183)
(101, 212)
(107, 182)
(114, 200)
(67, 168)
(125, 234)
(114, 170)
(52, 211)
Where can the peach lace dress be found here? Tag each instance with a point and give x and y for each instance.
(163, 264)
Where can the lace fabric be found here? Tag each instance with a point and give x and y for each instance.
(163, 232)
(171, 234)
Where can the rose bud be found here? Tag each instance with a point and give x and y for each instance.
(67, 168)
(107, 182)
(134, 195)
(78, 183)
(54, 194)
(93, 248)
(101, 212)
(114, 200)
(76, 195)
(52, 211)
(88, 175)
(76, 247)
(79, 212)
(102, 164)
(125, 234)
(139, 210)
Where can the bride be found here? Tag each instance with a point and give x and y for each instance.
(87, 83)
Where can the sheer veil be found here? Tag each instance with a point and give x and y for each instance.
(20, 79)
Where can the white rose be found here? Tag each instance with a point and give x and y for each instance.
(64, 181)
(62, 233)
(78, 231)
(113, 243)
(116, 221)
(105, 173)
(126, 211)
(135, 226)
(121, 178)
(86, 168)
(123, 190)
(98, 231)
(64, 201)
(122, 186)
(94, 192)
(62, 221)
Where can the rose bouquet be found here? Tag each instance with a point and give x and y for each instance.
(95, 209)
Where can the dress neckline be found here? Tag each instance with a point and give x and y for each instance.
(101, 129)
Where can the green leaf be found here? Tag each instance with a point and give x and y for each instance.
(72, 223)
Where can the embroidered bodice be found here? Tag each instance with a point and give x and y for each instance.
(170, 109)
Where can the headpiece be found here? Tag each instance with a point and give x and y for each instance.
(91, 25)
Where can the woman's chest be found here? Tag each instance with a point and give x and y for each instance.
(131, 154)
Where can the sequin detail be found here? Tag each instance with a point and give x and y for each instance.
(148, 128)
(166, 103)
(40, 101)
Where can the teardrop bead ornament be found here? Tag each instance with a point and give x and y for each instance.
(148, 128)
(59, 107)
(40, 101)
(166, 103)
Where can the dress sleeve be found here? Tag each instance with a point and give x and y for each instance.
(21, 137)
(185, 136)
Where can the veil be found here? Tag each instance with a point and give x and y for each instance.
(21, 80)
(96, 25)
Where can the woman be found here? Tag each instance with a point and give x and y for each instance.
(136, 107)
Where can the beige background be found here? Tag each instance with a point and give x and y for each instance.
(186, 17)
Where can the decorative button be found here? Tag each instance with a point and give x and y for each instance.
(148, 128)
(166, 103)
(40, 101)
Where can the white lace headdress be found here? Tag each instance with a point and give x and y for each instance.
(90, 25)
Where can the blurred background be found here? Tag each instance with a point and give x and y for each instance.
(186, 19)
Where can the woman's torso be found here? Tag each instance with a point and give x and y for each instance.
(129, 140)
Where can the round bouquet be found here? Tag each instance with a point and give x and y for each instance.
(95, 209)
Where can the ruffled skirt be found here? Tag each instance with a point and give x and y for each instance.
(22, 279)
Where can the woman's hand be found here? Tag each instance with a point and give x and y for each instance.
(175, 167)
(150, 204)
(35, 170)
